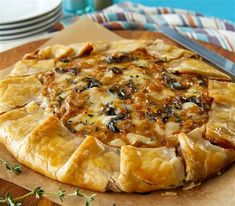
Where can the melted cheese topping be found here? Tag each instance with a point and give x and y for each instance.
(125, 99)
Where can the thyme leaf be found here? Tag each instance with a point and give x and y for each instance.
(38, 192)
(10, 201)
(90, 199)
(61, 194)
(78, 193)
(12, 167)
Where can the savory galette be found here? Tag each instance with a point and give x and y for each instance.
(129, 115)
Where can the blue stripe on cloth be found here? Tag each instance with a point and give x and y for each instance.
(208, 38)
(182, 19)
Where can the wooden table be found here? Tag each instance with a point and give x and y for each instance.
(7, 58)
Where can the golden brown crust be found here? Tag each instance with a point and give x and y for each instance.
(27, 67)
(202, 159)
(18, 91)
(16, 125)
(48, 147)
(194, 66)
(168, 52)
(91, 166)
(222, 92)
(220, 128)
(55, 52)
(146, 169)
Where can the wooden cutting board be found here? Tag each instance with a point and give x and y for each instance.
(9, 57)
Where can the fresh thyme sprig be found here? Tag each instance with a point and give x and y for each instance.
(10, 166)
(39, 192)
(89, 199)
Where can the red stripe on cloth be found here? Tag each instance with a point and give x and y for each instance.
(165, 11)
(191, 21)
(98, 18)
(114, 26)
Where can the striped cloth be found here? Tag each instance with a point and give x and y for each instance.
(192, 24)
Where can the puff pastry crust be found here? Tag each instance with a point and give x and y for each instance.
(92, 165)
(18, 91)
(31, 66)
(48, 147)
(194, 66)
(17, 124)
(124, 116)
(202, 158)
(147, 169)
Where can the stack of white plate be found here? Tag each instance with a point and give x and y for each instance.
(21, 18)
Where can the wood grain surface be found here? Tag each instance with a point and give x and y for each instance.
(9, 57)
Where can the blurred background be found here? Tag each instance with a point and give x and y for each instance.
(219, 8)
(212, 21)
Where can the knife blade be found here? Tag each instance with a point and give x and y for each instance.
(223, 64)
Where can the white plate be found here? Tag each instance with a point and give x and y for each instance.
(26, 34)
(31, 27)
(19, 10)
(30, 21)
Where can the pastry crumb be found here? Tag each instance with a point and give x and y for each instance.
(219, 173)
(191, 186)
(169, 194)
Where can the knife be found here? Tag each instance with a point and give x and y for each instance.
(223, 64)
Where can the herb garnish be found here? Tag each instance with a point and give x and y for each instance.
(69, 81)
(89, 199)
(10, 166)
(39, 192)
(60, 100)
